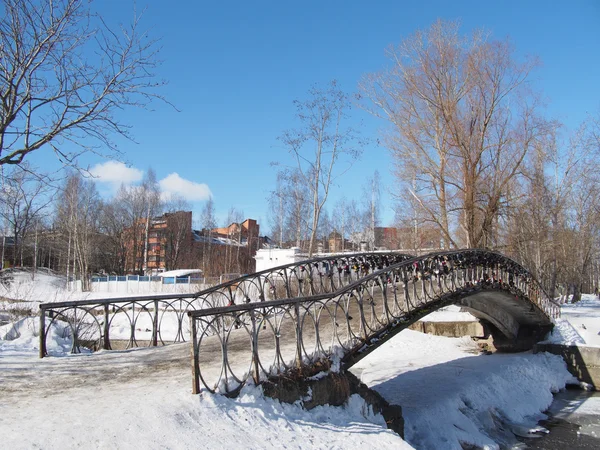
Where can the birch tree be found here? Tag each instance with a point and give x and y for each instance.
(278, 203)
(24, 198)
(341, 219)
(149, 194)
(323, 146)
(207, 222)
(78, 212)
(371, 200)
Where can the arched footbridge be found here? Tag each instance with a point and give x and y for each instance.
(257, 340)
(290, 318)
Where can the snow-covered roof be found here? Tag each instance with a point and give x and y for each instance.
(180, 273)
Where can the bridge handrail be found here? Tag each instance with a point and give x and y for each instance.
(381, 299)
(218, 287)
(298, 278)
(370, 277)
(507, 258)
(305, 262)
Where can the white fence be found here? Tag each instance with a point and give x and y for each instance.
(134, 284)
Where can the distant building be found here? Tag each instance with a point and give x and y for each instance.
(336, 242)
(386, 238)
(173, 244)
(274, 257)
(249, 228)
(169, 242)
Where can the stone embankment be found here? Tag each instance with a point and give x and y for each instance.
(450, 329)
(330, 388)
(582, 362)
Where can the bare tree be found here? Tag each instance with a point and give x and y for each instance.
(323, 147)
(278, 202)
(149, 193)
(64, 75)
(113, 226)
(298, 209)
(24, 198)
(554, 228)
(78, 211)
(207, 222)
(463, 119)
(177, 237)
(356, 225)
(371, 200)
(131, 204)
(234, 235)
(341, 219)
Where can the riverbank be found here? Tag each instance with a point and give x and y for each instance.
(573, 422)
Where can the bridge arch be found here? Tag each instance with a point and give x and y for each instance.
(348, 324)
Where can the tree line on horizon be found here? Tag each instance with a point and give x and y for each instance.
(68, 227)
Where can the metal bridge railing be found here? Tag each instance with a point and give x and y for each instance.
(117, 323)
(234, 344)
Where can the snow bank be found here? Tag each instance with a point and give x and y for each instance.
(564, 333)
(22, 338)
(160, 413)
(584, 318)
(451, 397)
(39, 287)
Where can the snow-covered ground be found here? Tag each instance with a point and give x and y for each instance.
(142, 398)
(46, 288)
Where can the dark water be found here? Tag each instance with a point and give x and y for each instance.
(573, 422)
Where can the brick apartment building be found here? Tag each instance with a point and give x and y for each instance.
(173, 244)
(241, 232)
(169, 241)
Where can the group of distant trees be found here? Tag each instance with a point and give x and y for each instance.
(290, 216)
(476, 157)
(67, 226)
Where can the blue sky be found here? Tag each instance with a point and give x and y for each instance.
(234, 68)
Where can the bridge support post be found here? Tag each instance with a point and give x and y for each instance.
(298, 335)
(105, 331)
(255, 376)
(195, 360)
(42, 333)
(155, 325)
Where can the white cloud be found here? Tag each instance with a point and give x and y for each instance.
(191, 191)
(116, 173)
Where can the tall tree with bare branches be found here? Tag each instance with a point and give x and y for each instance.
(24, 200)
(463, 119)
(323, 147)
